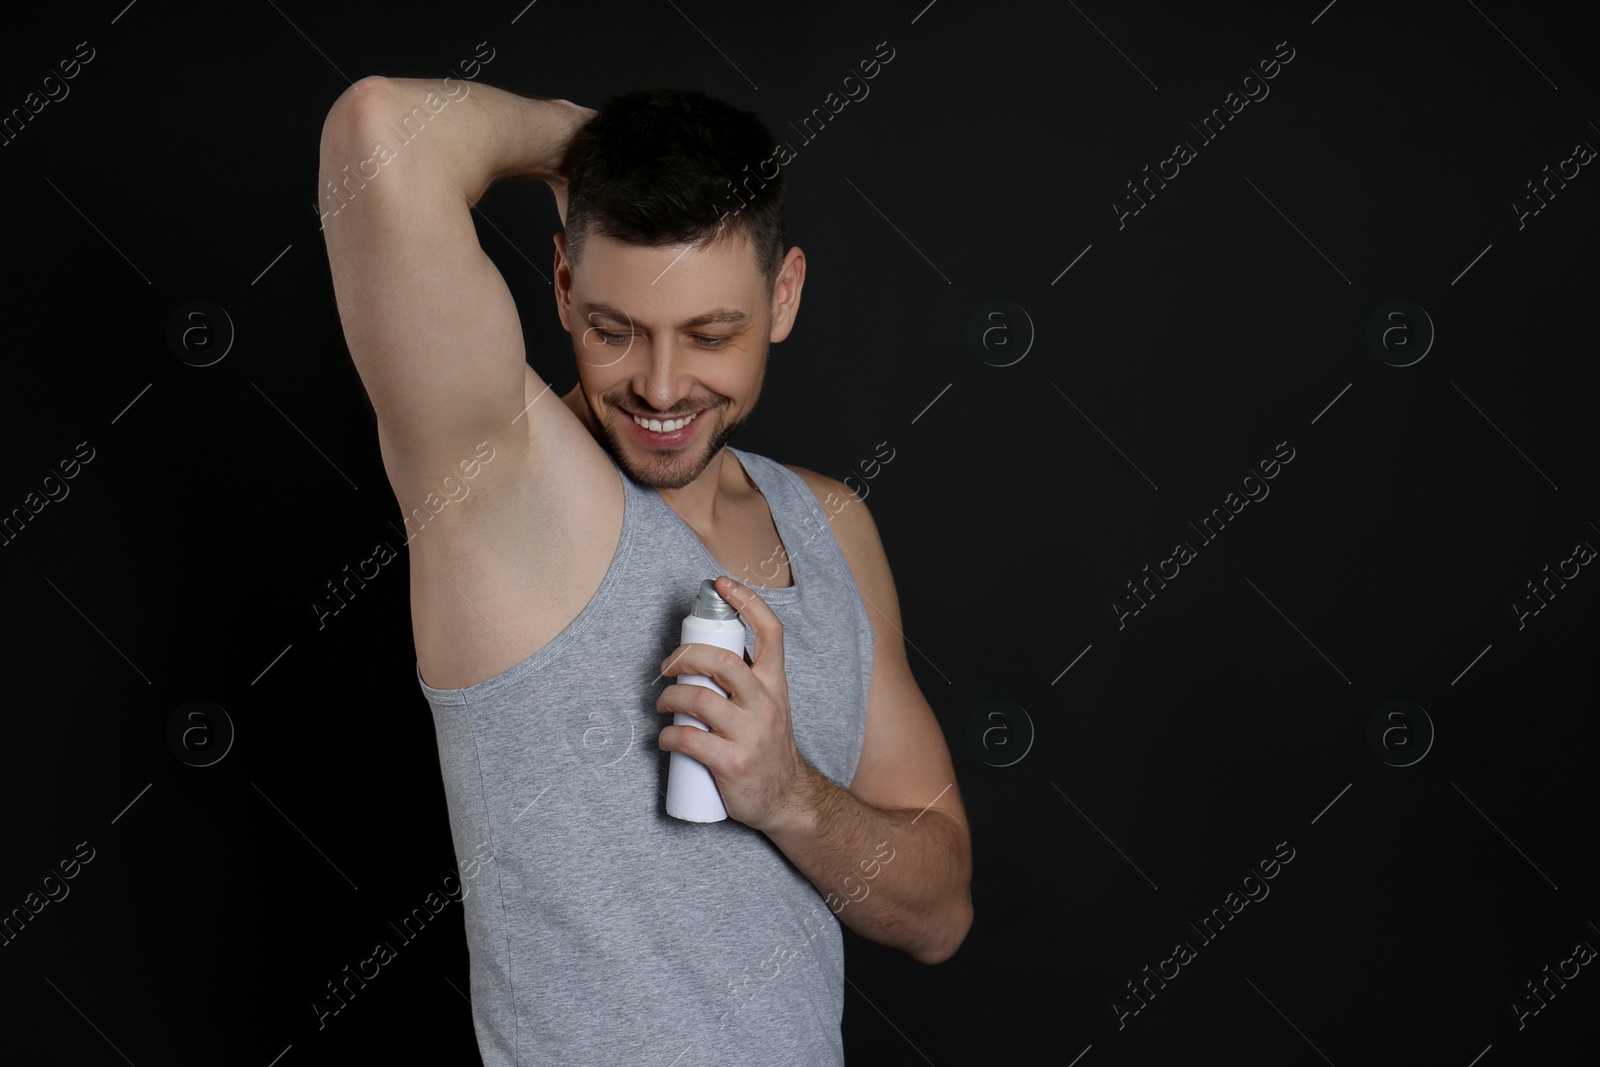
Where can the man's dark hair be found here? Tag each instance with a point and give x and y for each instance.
(675, 166)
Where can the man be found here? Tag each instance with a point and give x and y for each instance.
(546, 598)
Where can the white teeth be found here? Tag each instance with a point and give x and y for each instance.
(665, 427)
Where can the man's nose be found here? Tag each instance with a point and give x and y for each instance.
(661, 386)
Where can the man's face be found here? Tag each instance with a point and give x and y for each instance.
(667, 333)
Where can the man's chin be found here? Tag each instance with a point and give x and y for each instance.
(662, 469)
(658, 475)
(669, 468)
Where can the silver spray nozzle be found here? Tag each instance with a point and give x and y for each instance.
(708, 604)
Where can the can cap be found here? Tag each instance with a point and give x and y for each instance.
(708, 604)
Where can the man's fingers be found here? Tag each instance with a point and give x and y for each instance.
(762, 619)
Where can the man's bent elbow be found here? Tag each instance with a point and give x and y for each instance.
(359, 95)
(344, 128)
(955, 934)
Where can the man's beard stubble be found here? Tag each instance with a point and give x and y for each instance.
(664, 474)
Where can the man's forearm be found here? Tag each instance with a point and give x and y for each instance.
(895, 876)
(477, 134)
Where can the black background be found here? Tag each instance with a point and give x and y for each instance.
(1179, 750)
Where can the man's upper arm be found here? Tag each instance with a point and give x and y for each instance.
(430, 322)
(905, 762)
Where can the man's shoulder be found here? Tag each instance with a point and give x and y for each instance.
(851, 522)
(820, 484)
(832, 494)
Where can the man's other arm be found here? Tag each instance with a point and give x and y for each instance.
(892, 856)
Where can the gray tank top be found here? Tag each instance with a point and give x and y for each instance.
(600, 929)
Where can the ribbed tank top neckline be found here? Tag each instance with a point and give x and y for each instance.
(776, 500)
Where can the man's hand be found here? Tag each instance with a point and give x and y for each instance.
(750, 748)
(558, 182)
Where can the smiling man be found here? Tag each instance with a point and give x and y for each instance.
(546, 604)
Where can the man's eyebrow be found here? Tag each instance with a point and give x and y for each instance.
(723, 316)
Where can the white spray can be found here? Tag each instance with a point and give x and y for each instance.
(692, 793)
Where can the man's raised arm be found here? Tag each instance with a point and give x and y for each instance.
(429, 321)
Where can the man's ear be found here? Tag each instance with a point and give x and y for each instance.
(786, 294)
(563, 282)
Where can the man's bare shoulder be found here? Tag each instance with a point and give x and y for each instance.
(824, 488)
(852, 524)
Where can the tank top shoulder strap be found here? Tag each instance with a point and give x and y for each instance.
(794, 496)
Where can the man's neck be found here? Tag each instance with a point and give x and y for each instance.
(701, 503)
(704, 502)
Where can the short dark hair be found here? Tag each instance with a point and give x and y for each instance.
(674, 166)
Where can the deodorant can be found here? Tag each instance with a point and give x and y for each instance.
(692, 793)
